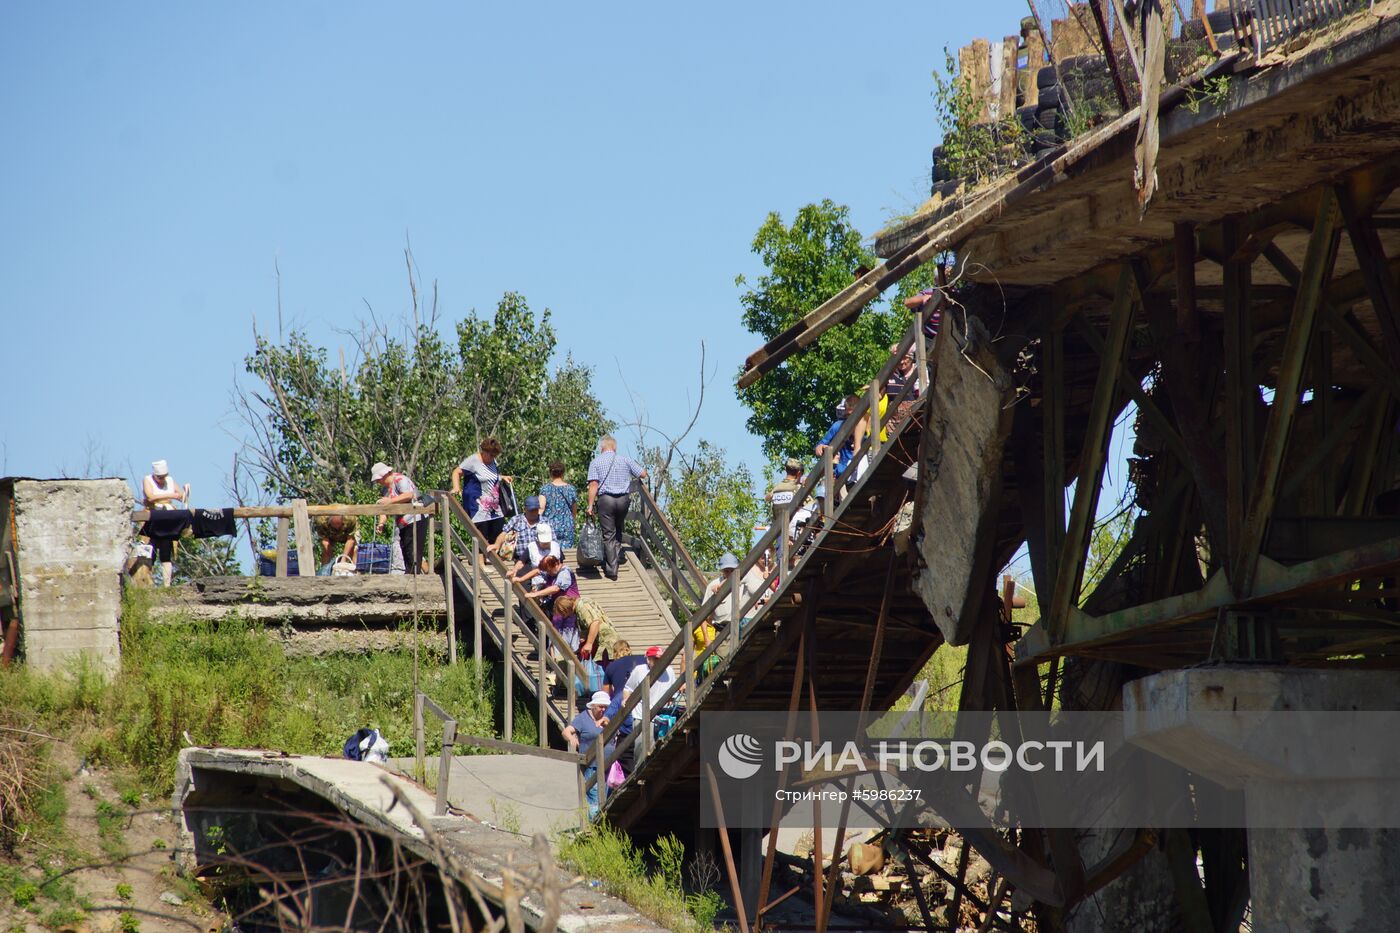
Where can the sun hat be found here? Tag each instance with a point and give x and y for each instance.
(379, 471)
(160, 468)
(532, 503)
(654, 651)
(728, 562)
(600, 698)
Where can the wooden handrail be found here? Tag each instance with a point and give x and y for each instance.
(285, 511)
(649, 505)
(529, 606)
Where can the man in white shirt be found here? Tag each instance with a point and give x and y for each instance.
(751, 583)
(663, 680)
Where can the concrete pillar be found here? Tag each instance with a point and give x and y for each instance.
(1300, 879)
(71, 537)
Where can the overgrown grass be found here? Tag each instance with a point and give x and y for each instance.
(231, 683)
(608, 856)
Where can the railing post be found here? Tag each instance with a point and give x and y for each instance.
(785, 514)
(828, 483)
(449, 739)
(688, 646)
(645, 737)
(282, 527)
(449, 589)
(601, 778)
(734, 596)
(420, 765)
(921, 348)
(476, 599)
(508, 658)
(543, 689)
(432, 542)
(582, 795)
(872, 441)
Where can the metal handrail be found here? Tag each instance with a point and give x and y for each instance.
(915, 339)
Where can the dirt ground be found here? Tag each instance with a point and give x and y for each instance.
(117, 852)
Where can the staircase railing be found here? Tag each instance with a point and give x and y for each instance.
(661, 547)
(793, 557)
(464, 554)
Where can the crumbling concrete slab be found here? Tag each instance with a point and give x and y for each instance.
(959, 477)
(71, 537)
(521, 792)
(357, 789)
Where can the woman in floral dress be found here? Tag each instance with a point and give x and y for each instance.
(560, 505)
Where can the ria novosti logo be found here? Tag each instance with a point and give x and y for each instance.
(740, 756)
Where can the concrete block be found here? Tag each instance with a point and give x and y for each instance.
(959, 473)
(71, 537)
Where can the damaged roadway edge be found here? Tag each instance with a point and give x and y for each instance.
(358, 790)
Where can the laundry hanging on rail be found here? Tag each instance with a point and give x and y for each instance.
(214, 523)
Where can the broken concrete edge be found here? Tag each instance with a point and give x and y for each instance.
(583, 910)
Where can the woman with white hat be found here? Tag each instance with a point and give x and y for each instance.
(413, 533)
(161, 493)
(582, 734)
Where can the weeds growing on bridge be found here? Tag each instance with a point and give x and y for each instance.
(606, 855)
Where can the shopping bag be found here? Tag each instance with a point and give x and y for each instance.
(590, 545)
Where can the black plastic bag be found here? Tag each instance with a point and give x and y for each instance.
(590, 545)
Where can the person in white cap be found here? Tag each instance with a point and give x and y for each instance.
(413, 533)
(751, 584)
(582, 733)
(162, 493)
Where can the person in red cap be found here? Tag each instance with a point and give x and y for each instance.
(660, 677)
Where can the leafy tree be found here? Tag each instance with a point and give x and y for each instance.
(419, 401)
(807, 263)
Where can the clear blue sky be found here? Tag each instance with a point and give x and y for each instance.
(610, 162)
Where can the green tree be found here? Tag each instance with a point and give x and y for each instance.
(808, 262)
(419, 401)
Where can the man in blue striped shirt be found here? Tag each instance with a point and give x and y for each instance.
(609, 481)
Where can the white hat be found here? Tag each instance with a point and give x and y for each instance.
(379, 471)
(728, 562)
(600, 698)
(545, 534)
(160, 468)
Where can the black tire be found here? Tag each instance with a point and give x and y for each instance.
(1045, 77)
(1049, 97)
(1027, 118)
(1220, 21)
(945, 188)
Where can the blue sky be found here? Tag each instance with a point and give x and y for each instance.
(611, 163)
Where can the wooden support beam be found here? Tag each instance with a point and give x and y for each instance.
(1069, 566)
(1317, 270)
(1052, 415)
(1380, 281)
(1273, 585)
(1144, 402)
(1106, 39)
(1241, 390)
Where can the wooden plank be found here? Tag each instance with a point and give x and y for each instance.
(1069, 569)
(307, 558)
(1035, 60)
(282, 524)
(1006, 100)
(1317, 270)
(1241, 390)
(975, 67)
(1381, 286)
